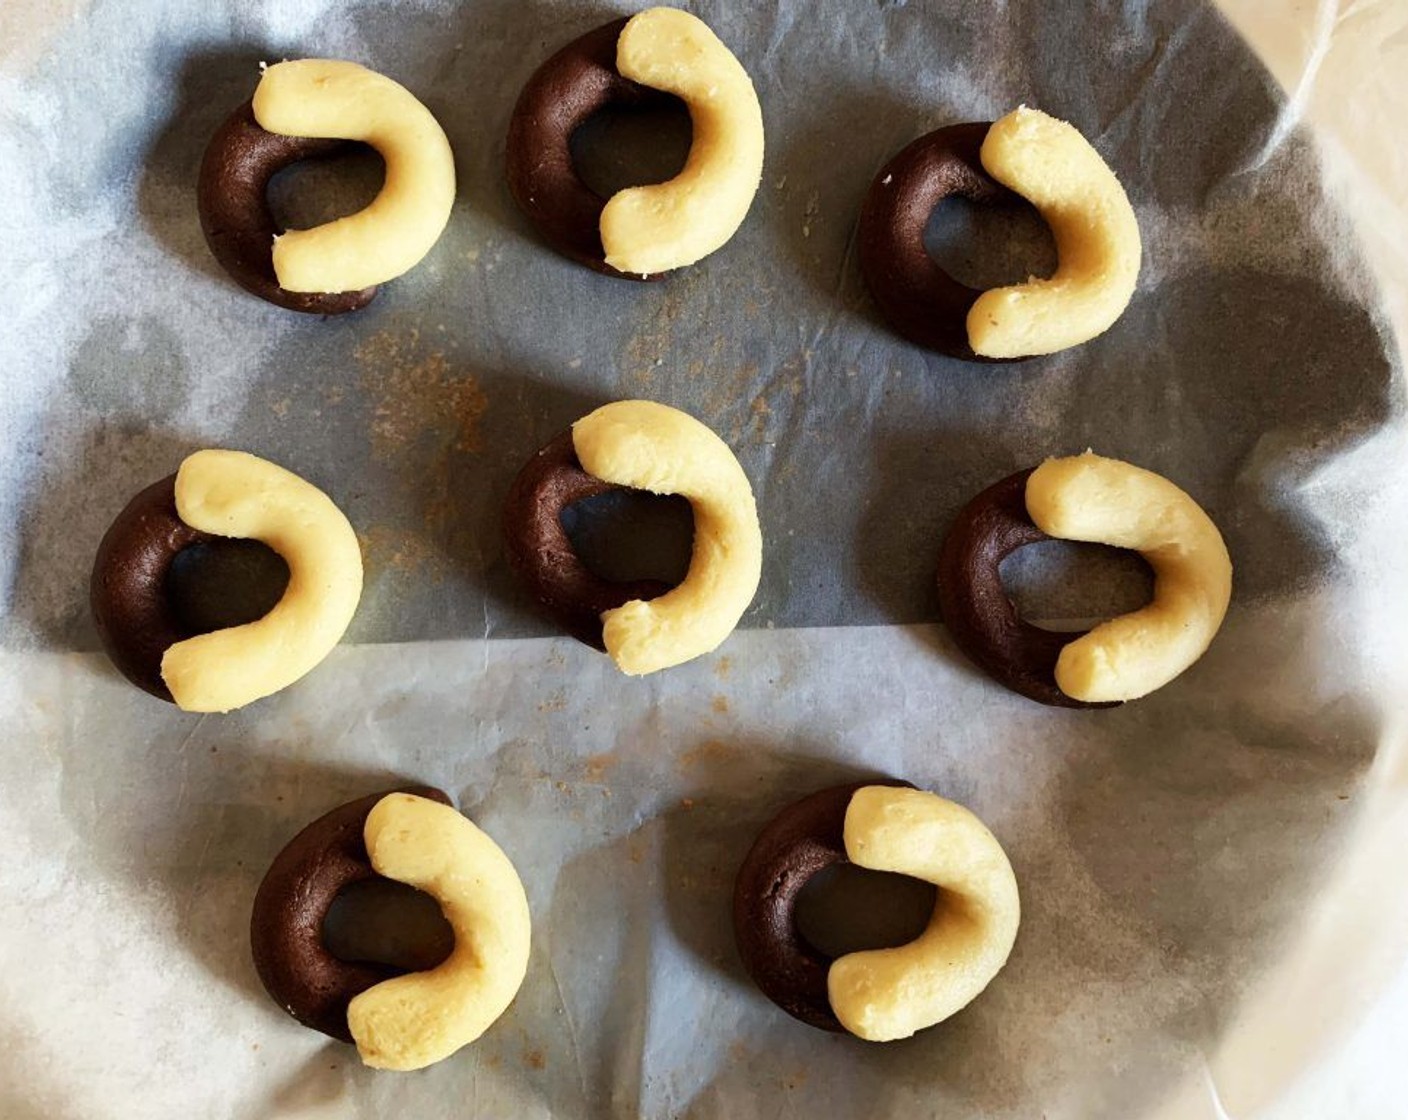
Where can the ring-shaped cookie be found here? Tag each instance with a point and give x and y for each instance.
(917, 297)
(562, 95)
(225, 494)
(648, 446)
(880, 994)
(639, 232)
(398, 1020)
(311, 102)
(541, 554)
(796, 845)
(291, 905)
(232, 198)
(1103, 501)
(1050, 164)
(980, 616)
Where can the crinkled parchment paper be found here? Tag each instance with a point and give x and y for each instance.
(1188, 863)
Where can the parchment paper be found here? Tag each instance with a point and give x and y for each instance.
(1165, 850)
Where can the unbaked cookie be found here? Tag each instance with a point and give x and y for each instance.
(880, 994)
(1104, 501)
(224, 494)
(640, 232)
(303, 110)
(1050, 164)
(398, 1021)
(644, 446)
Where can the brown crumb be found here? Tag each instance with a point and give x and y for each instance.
(426, 416)
(762, 413)
(554, 703)
(416, 390)
(400, 550)
(714, 751)
(720, 704)
(534, 1059)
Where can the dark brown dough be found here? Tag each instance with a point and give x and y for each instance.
(977, 610)
(286, 928)
(234, 209)
(918, 298)
(576, 82)
(803, 839)
(541, 554)
(131, 608)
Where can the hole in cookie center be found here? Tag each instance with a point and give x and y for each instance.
(627, 535)
(622, 146)
(1067, 584)
(381, 921)
(845, 909)
(315, 191)
(225, 582)
(989, 245)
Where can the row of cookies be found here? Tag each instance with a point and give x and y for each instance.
(642, 445)
(305, 109)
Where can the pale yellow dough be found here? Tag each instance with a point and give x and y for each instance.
(670, 225)
(412, 1021)
(232, 494)
(1049, 163)
(1090, 498)
(654, 447)
(885, 994)
(319, 97)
